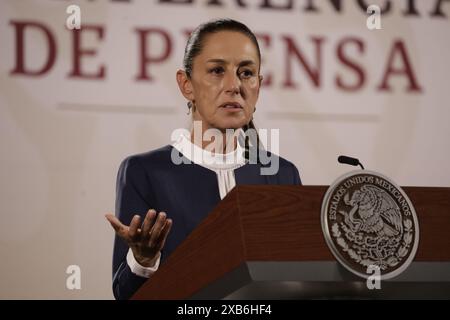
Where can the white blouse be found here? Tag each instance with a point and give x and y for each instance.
(222, 164)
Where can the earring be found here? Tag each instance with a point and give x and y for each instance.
(189, 105)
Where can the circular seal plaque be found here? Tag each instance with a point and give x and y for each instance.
(368, 221)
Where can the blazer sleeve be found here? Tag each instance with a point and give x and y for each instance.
(133, 196)
(296, 175)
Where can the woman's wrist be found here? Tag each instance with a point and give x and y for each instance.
(146, 261)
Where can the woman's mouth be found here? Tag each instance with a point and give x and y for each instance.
(232, 106)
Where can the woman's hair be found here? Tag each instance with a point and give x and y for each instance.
(195, 42)
(194, 47)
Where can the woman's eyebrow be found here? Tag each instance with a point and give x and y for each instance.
(246, 63)
(217, 61)
(241, 64)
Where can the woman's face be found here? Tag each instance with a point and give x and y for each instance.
(225, 72)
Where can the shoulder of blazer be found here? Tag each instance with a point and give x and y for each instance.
(150, 160)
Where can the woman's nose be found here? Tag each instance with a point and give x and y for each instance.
(232, 84)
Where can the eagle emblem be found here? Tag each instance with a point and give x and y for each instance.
(373, 211)
(369, 221)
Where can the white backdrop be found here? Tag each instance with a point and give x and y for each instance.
(63, 137)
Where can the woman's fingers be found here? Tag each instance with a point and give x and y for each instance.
(121, 229)
(152, 234)
(156, 230)
(133, 231)
(148, 223)
(163, 236)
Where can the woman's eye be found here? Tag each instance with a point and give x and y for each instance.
(247, 73)
(217, 70)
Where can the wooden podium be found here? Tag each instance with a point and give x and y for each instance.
(266, 242)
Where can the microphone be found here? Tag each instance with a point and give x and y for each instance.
(349, 160)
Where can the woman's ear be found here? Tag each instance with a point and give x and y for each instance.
(185, 85)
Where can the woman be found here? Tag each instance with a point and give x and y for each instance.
(221, 81)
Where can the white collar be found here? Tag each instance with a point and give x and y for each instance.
(208, 159)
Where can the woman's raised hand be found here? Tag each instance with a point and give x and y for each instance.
(145, 239)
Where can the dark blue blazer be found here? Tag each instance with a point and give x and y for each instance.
(186, 192)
